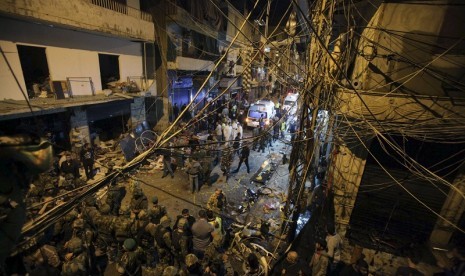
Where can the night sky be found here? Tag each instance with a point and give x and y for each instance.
(277, 9)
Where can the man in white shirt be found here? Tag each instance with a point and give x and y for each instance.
(219, 132)
(334, 248)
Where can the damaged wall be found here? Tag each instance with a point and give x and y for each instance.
(84, 15)
(69, 54)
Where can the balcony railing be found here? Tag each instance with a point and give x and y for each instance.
(120, 8)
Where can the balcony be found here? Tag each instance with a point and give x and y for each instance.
(177, 16)
(97, 16)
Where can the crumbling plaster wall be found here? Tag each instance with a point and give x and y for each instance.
(82, 15)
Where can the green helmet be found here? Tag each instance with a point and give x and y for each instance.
(191, 259)
(138, 191)
(49, 186)
(155, 200)
(170, 271)
(75, 245)
(90, 201)
(165, 220)
(105, 209)
(129, 244)
(78, 223)
(182, 222)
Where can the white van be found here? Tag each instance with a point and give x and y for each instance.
(290, 103)
(256, 110)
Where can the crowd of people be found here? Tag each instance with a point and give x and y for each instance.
(139, 237)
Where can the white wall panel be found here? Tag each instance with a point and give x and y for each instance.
(130, 66)
(75, 63)
(9, 88)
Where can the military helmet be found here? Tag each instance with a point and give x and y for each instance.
(78, 223)
(74, 245)
(137, 191)
(72, 215)
(129, 244)
(90, 201)
(69, 176)
(105, 209)
(49, 186)
(170, 271)
(165, 220)
(155, 200)
(182, 222)
(191, 259)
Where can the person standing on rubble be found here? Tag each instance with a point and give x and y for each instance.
(87, 160)
(114, 198)
(217, 201)
(131, 261)
(244, 158)
(138, 202)
(181, 241)
(202, 232)
(156, 212)
(226, 160)
(167, 164)
(70, 166)
(194, 169)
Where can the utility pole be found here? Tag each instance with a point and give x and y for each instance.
(303, 155)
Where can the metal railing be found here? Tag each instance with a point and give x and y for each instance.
(120, 8)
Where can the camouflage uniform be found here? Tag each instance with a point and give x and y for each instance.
(123, 231)
(206, 160)
(76, 260)
(105, 226)
(217, 201)
(131, 261)
(114, 198)
(138, 202)
(226, 161)
(162, 235)
(181, 241)
(256, 138)
(156, 212)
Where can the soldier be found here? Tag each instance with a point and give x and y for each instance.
(217, 223)
(44, 261)
(68, 183)
(70, 166)
(63, 229)
(263, 140)
(75, 259)
(114, 198)
(138, 202)
(105, 225)
(162, 236)
(217, 201)
(87, 158)
(132, 259)
(244, 158)
(226, 160)
(86, 236)
(206, 162)
(190, 221)
(123, 231)
(194, 169)
(181, 241)
(156, 212)
(144, 237)
(193, 265)
(256, 138)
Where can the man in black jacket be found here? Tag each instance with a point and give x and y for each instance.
(244, 158)
(87, 159)
(70, 166)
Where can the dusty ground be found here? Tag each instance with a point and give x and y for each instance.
(174, 193)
